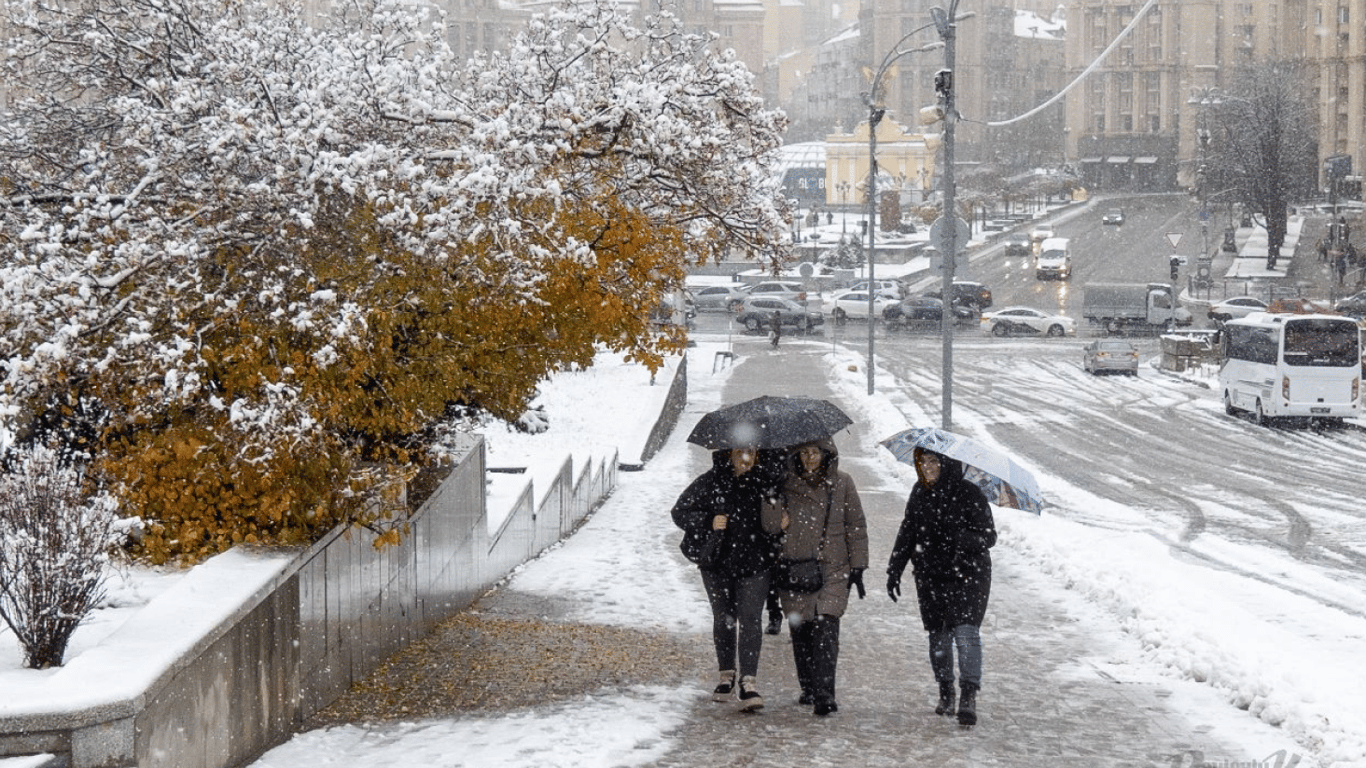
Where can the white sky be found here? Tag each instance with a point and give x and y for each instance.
(1269, 669)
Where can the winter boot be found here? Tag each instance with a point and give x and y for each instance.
(946, 699)
(775, 624)
(726, 690)
(801, 657)
(967, 705)
(826, 649)
(750, 700)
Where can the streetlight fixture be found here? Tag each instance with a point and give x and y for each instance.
(876, 111)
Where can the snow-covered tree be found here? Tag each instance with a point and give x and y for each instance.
(261, 256)
(1264, 147)
(55, 539)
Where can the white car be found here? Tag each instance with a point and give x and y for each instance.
(1235, 308)
(889, 288)
(1027, 321)
(1041, 233)
(847, 304)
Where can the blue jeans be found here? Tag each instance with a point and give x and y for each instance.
(968, 640)
(737, 619)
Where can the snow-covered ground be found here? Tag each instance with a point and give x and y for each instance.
(1277, 679)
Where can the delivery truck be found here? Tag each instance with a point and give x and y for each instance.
(1117, 306)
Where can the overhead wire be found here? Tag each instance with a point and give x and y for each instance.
(1089, 69)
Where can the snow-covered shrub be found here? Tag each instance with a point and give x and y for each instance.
(55, 540)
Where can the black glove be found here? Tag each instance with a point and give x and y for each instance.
(893, 585)
(856, 580)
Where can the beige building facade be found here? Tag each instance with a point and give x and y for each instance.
(1133, 122)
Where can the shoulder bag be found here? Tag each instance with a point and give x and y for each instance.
(802, 575)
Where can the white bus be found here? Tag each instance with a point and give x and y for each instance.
(1276, 365)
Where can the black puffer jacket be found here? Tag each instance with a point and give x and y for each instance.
(747, 548)
(945, 536)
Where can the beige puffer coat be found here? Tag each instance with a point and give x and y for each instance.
(840, 546)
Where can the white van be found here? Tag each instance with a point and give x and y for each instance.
(1054, 261)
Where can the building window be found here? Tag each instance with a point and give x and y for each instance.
(1344, 15)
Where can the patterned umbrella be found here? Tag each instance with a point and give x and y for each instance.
(769, 422)
(1006, 483)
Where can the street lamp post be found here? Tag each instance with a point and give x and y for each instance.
(842, 186)
(876, 111)
(945, 22)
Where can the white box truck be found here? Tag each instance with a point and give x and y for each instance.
(1117, 306)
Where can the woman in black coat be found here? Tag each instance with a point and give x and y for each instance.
(725, 534)
(945, 536)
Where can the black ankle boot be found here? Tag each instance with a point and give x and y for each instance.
(946, 697)
(967, 705)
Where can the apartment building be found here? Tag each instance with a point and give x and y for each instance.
(1132, 123)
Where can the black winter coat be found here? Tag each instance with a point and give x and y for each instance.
(945, 536)
(746, 548)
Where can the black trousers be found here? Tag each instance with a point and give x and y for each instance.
(816, 651)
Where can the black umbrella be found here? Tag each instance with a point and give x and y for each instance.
(769, 422)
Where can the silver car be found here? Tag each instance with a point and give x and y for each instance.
(1110, 356)
(725, 298)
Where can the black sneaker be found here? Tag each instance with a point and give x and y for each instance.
(726, 690)
(825, 707)
(750, 700)
(775, 625)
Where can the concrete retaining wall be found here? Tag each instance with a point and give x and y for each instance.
(329, 617)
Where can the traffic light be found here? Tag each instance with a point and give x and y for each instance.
(1175, 263)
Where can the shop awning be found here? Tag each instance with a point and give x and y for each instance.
(1145, 160)
(1117, 159)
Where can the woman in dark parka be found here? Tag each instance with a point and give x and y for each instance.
(945, 536)
(724, 503)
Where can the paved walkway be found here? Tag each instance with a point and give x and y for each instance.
(1047, 697)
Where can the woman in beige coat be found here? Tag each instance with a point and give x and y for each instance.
(822, 518)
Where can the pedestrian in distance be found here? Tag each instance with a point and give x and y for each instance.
(725, 534)
(775, 325)
(946, 536)
(822, 518)
(775, 611)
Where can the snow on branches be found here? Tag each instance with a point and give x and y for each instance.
(55, 540)
(267, 246)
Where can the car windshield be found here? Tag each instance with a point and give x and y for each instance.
(1115, 346)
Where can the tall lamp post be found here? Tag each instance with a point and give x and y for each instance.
(876, 111)
(945, 22)
(842, 187)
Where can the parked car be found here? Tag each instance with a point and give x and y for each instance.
(889, 288)
(1234, 308)
(1110, 355)
(924, 309)
(781, 288)
(757, 313)
(664, 312)
(967, 293)
(1018, 244)
(1027, 321)
(725, 298)
(854, 303)
(1113, 216)
(1352, 306)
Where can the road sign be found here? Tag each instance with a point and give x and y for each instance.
(939, 233)
(1174, 238)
